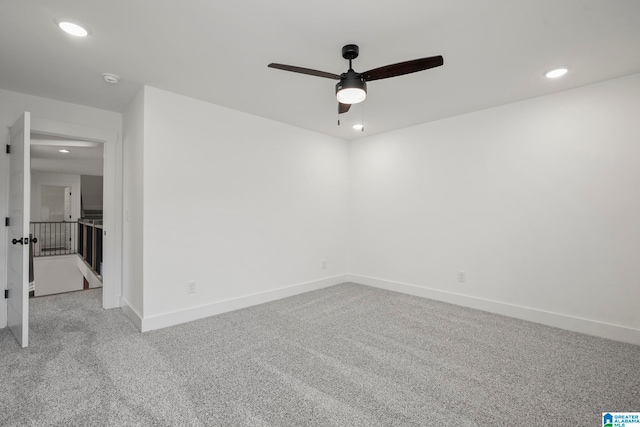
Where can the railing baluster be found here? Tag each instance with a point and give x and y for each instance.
(69, 237)
(54, 238)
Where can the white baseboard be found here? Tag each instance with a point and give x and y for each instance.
(132, 314)
(585, 326)
(194, 313)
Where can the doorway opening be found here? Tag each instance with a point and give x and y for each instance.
(50, 133)
(66, 215)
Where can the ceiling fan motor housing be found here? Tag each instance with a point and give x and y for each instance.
(350, 51)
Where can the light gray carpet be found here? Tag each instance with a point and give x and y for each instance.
(348, 355)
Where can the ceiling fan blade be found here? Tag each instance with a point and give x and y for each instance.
(343, 108)
(402, 68)
(308, 71)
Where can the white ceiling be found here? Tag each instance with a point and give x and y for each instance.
(83, 157)
(495, 52)
(75, 153)
(48, 147)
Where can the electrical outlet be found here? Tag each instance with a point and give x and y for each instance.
(324, 265)
(462, 276)
(191, 287)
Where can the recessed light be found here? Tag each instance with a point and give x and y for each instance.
(358, 126)
(557, 72)
(73, 29)
(110, 78)
(64, 151)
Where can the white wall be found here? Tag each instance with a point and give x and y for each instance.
(91, 192)
(132, 198)
(57, 274)
(12, 105)
(537, 201)
(80, 167)
(38, 179)
(241, 205)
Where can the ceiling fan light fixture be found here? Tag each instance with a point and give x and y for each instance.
(351, 90)
(351, 96)
(352, 87)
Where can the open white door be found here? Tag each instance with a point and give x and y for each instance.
(18, 247)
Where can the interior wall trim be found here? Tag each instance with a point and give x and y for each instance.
(563, 321)
(194, 313)
(132, 314)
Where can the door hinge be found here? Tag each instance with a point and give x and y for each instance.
(8, 149)
(7, 221)
(6, 294)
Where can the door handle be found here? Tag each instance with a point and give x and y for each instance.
(14, 241)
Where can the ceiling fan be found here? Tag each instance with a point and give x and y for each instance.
(352, 87)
